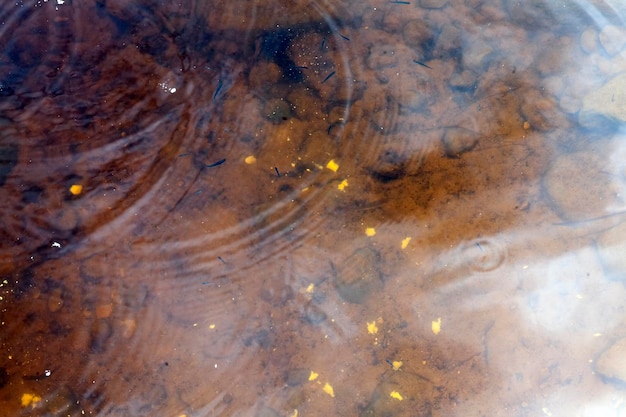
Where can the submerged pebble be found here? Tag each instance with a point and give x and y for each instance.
(277, 110)
(611, 247)
(402, 394)
(579, 194)
(612, 362)
(359, 277)
(605, 104)
(457, 140)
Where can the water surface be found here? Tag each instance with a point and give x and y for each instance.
(399, 208)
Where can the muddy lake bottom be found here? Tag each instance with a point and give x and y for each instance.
(405, 208)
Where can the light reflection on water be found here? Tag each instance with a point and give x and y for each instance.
(408, 208)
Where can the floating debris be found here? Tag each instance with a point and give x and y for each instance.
(328, 77)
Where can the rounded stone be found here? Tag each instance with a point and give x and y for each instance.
(606, 103)
(611, 363)
(464, 81)
(589, 40)
(359, 277)
(411, 100)
(580, 188)
(264, 74)
(277, 110)
(402, 394)
(457, 141)
(382, 56)
(542, 111)
(417, 34)
(612, 38)
(611, 248)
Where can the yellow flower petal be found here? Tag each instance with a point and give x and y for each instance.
(76, 189)
(332, 165)
(436, 325)
(396, 395)
(372, 328)
(30, 399)
(329, 390)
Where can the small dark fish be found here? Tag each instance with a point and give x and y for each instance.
(214, 164)
(323, 44)
(422, 64)
(345, 37)
(328, 77)
(221, 259)
(218, 89)
(183, 154)
(277, 172)
(400, 2)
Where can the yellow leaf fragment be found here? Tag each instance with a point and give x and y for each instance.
(212, 326)
(329, 390)
(342, 185)
(405, 242)
(250, 159)
(310, 288)
(313, 376)
(370, 231)
(30, 400)
(76, 189)
(436, 325)
(396, 365)
(295, 413)
(396, 395)
(332, 165)
(372, 328)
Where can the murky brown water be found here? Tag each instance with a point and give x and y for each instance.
(398, 208)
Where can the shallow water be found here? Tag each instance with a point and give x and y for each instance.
(405, 208)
